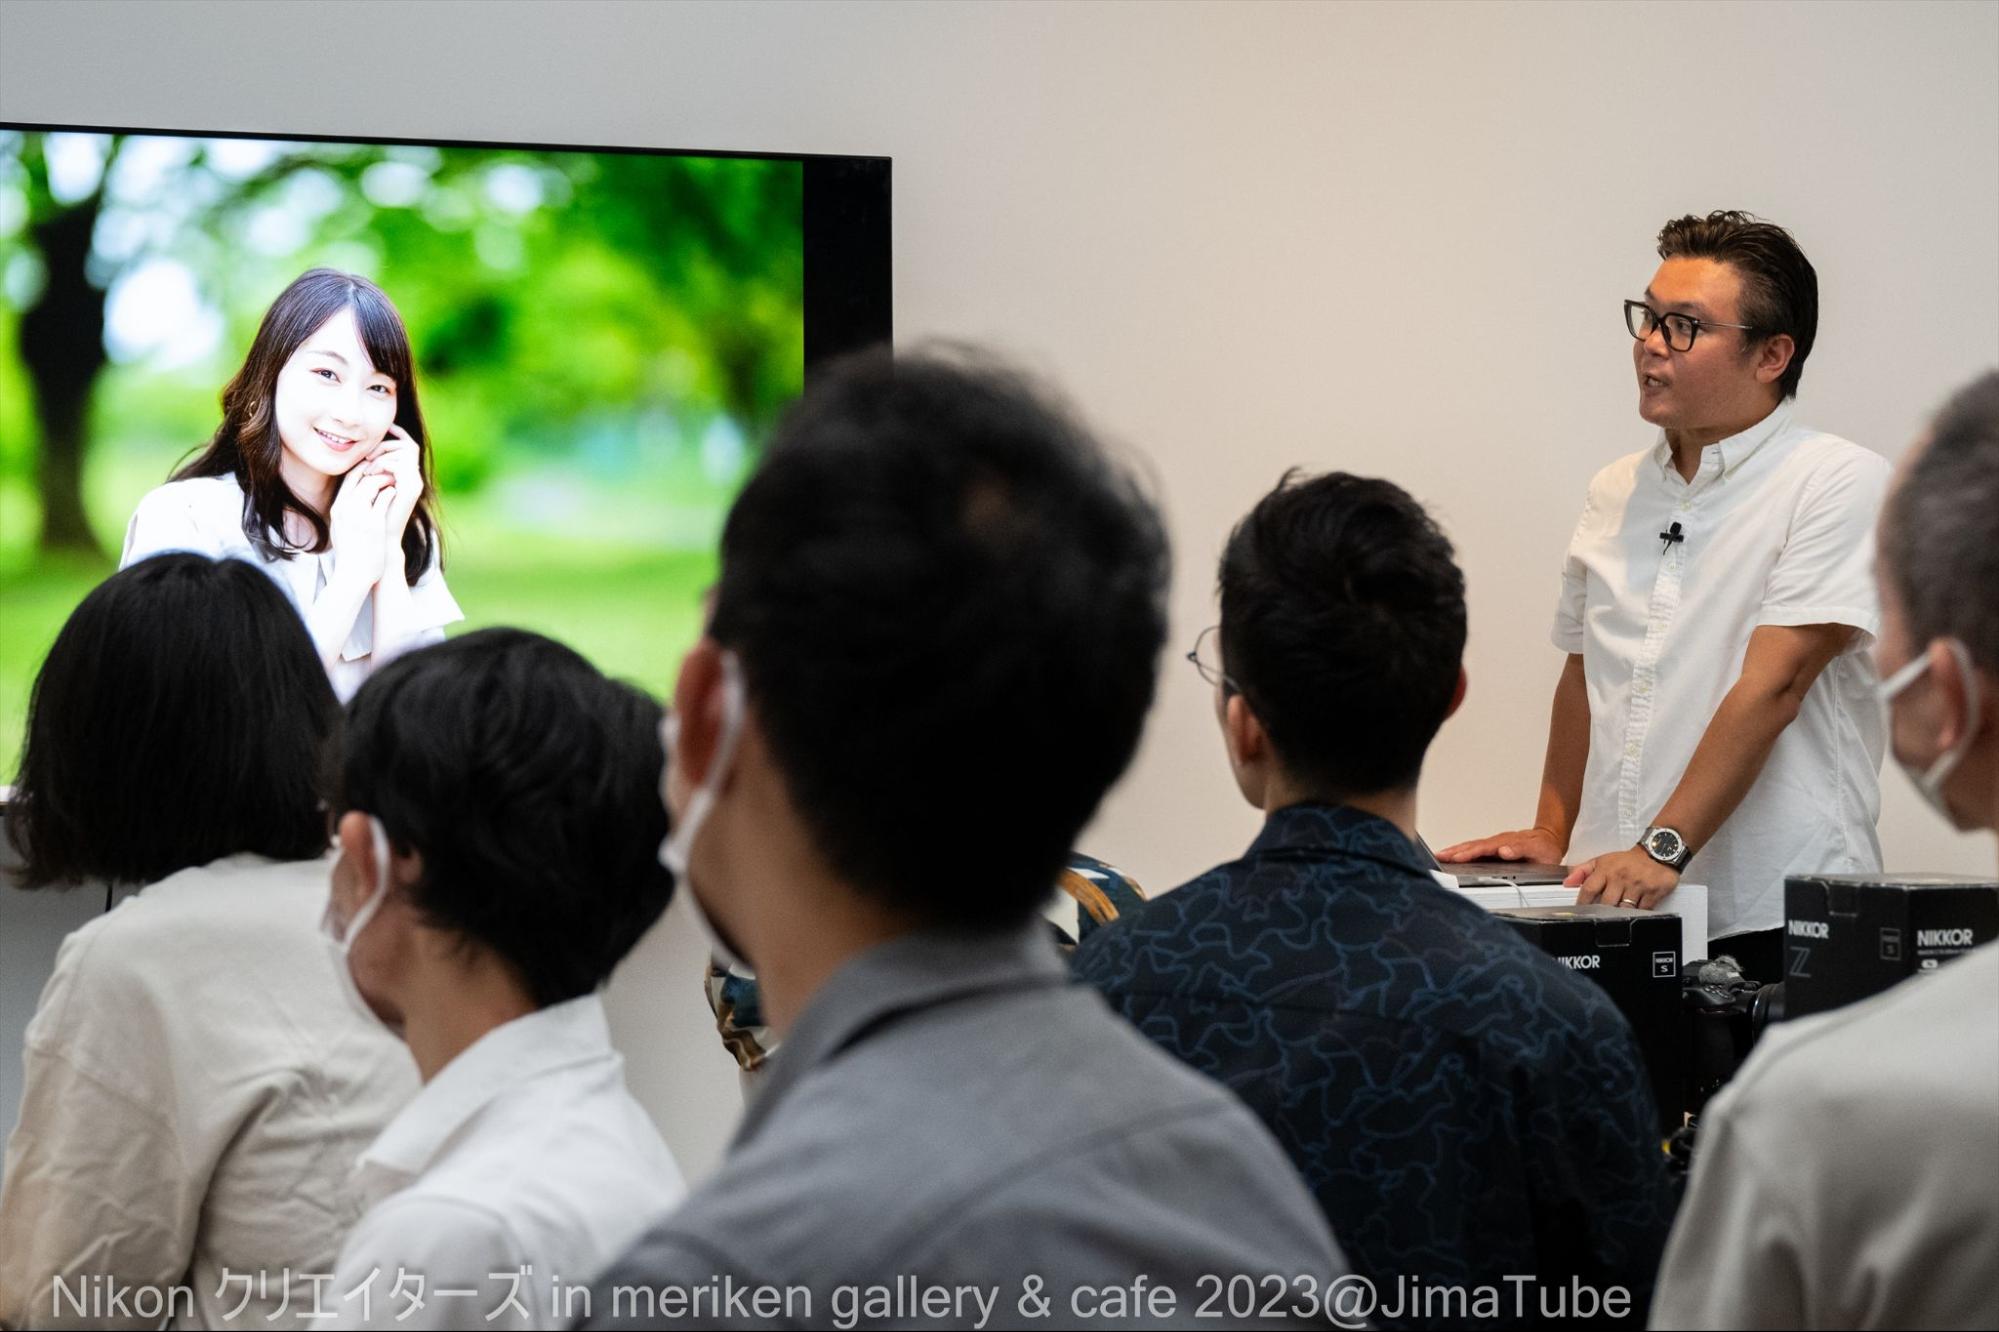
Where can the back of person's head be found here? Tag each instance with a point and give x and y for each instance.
(181, 716)
(1780, 288)
(948, 603)
(1343, 624)
(528, 786)
(1940, 534)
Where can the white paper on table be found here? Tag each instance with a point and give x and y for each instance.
(1688, 902)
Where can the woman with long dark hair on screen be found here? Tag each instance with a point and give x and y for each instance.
(198, 1084)
(319, 472)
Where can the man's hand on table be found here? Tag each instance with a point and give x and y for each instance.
(1623, 878)
(1532, 844)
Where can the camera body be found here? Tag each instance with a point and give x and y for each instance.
(1723, 1012)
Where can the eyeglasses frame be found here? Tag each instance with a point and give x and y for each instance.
(1221, 679)
(1658, 318)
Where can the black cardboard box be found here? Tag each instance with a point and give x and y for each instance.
(1635, 956)
(1848, 936)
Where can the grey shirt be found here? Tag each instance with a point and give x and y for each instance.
(955, 1135)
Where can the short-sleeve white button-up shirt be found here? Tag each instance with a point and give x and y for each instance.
(1777, 529)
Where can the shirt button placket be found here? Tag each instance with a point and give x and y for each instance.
(1659, 613)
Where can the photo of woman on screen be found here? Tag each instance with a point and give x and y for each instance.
(320, 474)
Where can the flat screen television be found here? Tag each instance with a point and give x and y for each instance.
(602, 337)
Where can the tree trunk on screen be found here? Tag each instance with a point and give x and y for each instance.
(62, 348)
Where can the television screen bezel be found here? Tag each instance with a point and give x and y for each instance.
(846, 220)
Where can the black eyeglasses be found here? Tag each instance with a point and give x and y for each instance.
(1681, 330)
(1207, 659)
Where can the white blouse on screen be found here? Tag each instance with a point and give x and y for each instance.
(205, 515)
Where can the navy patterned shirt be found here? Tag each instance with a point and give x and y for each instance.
(1463, 1107)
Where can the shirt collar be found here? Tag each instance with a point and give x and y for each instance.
(916, 971)
(1341, 828)
(1726, 455)
(559, 1037)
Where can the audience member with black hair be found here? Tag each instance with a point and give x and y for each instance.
(1464, 1107)
(499, 827)
(932, 650)
(196, 1090)
(1847, 1177)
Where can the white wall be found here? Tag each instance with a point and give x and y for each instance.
(1384, 238)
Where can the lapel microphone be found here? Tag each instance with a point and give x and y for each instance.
(1671, 536)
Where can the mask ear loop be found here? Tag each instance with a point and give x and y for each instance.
(1931, 781)
(1891, 688)
(1968, 669)
(732, 731)
(379, 837)
(678, 848)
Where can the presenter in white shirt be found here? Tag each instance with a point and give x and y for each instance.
(499, 855)
(318, 473)
(1714, 718)
(195, 1089)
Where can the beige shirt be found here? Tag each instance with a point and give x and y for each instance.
(1849, 1177)
(198, 1089)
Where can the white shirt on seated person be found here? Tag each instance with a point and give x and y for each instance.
(204, 514)
(517, 1174)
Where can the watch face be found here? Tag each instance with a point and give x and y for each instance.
(1665, 844)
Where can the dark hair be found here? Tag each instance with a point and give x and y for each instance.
(529, 785)
(1343, 623)
(182, 716)
(1780, 288)
(247, 444)
(1940, 535)
(948, 604)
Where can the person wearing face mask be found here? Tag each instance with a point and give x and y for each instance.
(195, 1090)
(1714, 718)
(498, 825)
(935, 582)
(1848, 1176)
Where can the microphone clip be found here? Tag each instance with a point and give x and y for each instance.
(1671, 536)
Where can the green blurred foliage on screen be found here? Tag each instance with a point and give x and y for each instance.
(603, 340)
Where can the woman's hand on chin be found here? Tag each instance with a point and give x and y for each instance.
(399, 456)
(359, 522)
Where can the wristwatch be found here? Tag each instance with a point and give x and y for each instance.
(1667, 847)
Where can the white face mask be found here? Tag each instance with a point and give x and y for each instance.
(1929, 782)
(341, 943)
(678, 848)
